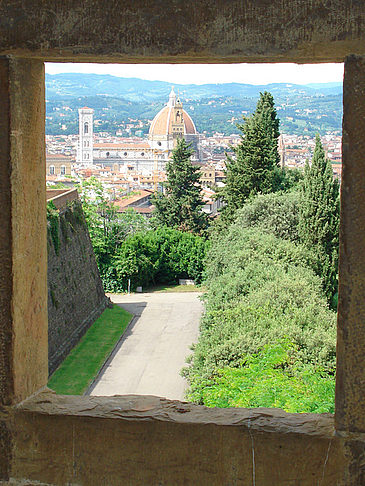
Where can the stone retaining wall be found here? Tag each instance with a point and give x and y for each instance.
(75, 292)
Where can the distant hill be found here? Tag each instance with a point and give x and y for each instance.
(133, 89)
(128, 105)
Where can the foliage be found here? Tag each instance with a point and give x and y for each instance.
(81, 366)
(319, 216)
(275, 213)
(267, 379)
(254, 168)
(158, 256)
(107, 228)
(262, 289)
(53, 219)
(238, 249)
(126, 247)
(181, 205)
(291, 178)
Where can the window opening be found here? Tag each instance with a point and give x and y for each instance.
(114, 190)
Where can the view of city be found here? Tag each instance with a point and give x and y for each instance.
(225, 192)
(124, 153)
(182, 243)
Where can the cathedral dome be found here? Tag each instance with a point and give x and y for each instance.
(162, 124)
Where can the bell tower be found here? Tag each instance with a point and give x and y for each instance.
(178, 126)
(85, 148)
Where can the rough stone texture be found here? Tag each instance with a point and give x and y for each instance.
(75, 291)
(153, 441)
(350, 385)
(23, 305)
(146, 442)
(6, 280)
(183, 30)
(29, 263)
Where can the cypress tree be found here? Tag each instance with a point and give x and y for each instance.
(320, 215)
(254, 168)
(181, 205)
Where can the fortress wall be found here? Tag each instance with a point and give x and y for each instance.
(75, 292)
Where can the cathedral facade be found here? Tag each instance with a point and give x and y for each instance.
(171, 123)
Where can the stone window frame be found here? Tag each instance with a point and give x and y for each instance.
(164, 440)
(304, 430)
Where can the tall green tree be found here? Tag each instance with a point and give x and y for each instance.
(320, 215)
(181, 205)
(254, 168)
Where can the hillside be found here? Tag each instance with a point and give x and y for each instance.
(119, 102)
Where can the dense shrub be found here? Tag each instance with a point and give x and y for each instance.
(276, 213)
(262, 291)
(267, 379)
(244, 257)
(158, 256)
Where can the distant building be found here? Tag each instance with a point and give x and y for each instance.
(86, 139)
(58, 166)
(140, 201)
(207, 177)
(171, 123)
(168, 125)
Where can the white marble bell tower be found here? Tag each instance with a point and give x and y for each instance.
(85, 149)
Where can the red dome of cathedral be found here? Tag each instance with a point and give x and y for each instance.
(162, 124)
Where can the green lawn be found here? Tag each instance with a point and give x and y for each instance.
(78, 370)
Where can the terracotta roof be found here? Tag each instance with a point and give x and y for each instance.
(127, 201)
(58, 156)
(162, 123)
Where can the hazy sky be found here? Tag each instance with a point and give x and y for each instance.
(211, 73)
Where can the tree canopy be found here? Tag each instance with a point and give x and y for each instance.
(319, 216)
(254, 167)
(181, 205)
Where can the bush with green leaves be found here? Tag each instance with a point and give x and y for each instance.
(270, 378)
(158, 256)
(275, 213)
(243, 255)
(262, 290)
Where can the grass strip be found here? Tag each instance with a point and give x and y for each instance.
(77, 371)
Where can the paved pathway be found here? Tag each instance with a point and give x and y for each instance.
(153, 350)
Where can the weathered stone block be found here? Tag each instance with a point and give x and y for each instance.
(350, 384)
